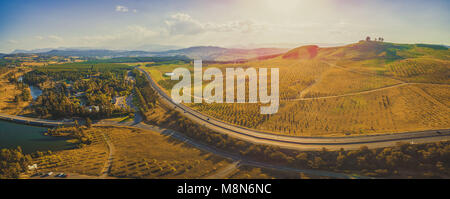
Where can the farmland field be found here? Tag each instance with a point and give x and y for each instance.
(137, 154)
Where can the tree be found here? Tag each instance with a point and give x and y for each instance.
(88, 122)
(367, 38)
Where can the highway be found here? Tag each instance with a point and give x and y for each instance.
(297, 142)
(34, 121)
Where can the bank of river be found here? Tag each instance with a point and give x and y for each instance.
(30, 138)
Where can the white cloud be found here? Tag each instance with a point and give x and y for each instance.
(55, 38)
(135, 11)
(13, 41)
(120, 8)
(182, 23)
(141, 31)
(243, 26)
(38, 37)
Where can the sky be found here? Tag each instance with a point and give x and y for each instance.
(144, 24)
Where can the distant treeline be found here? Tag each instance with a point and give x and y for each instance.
(72, 72)
(156, 60)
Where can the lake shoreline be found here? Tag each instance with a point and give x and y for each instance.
(31, 138)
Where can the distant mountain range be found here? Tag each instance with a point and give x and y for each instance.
(212, 53)
(96, 53)
(44, 50)
(221, 54)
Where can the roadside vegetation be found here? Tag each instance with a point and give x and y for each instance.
(251, 172)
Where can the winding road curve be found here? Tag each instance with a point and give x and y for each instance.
(297, 142)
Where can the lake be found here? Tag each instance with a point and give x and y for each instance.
(35, 91)
(30, 138)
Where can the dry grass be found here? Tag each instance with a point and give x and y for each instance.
(88, 160)
(7, 93)
(440, 92)
(421, 70)
(339, 81)
(399, 109)
(393, 110)
(146, 154)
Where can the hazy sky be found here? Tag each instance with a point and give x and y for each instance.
(129, 24)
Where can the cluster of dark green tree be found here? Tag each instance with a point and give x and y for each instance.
(85, 92)
(60, 102)
(24, 94)
(13, 162)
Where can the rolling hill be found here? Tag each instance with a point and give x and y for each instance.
(358, 89)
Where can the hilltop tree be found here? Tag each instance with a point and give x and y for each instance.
(367, 38)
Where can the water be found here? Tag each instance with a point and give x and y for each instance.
(30, 138)
(35, 91)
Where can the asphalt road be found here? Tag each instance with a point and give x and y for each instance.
(34, 121)
(296, 142)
